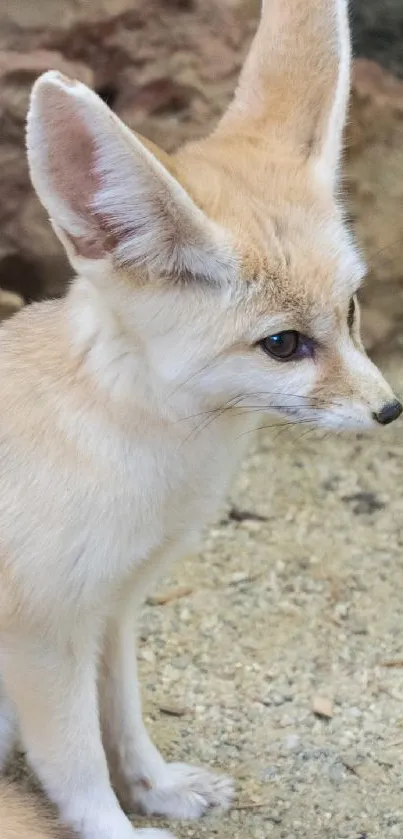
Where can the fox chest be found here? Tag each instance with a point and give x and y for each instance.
(81, 537)
(166, 497)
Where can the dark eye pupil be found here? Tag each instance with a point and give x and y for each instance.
(282, 345)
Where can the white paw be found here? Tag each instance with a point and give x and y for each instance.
(109, 824)
(183, 792)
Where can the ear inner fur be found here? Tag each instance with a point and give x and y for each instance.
(104, 188)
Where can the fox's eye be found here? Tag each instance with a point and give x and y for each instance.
(351, 313)
(284, 345)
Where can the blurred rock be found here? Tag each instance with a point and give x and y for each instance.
(374, 180)
(57, 14)
(160, 65)
(31, 260)
(377, 27)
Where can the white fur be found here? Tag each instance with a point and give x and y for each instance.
(332, 144)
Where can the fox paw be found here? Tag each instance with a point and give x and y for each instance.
(183, 792)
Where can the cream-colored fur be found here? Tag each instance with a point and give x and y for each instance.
(21, 818)
(125, 407)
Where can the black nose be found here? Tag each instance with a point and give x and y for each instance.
(389, 412)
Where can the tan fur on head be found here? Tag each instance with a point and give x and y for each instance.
(211, 285)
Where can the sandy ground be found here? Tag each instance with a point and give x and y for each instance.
(295, 603)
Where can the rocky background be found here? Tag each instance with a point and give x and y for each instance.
(168, 68)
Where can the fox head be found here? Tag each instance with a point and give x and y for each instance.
(227, 266)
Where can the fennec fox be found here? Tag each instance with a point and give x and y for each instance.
(209, 286)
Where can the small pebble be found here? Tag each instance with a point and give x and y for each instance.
(292, 742)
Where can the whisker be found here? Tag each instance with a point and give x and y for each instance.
(306, 432)
(213, 414)
(217, 413)
(286, 425)
(210, 419)
(234, 402)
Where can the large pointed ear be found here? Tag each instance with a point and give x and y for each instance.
(108, 195)
(295, 83)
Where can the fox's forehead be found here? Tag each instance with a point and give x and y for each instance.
(306, 271)
(288, 234)
(303, 263)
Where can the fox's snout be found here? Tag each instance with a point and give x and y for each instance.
(381, 404)
(357, 394)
